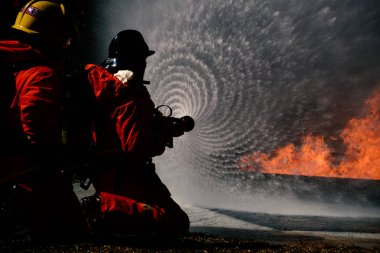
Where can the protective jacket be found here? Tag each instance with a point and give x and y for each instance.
(34, 115)
(125, 115)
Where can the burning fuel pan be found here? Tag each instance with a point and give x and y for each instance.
(333, 190)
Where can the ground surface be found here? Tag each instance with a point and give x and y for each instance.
(217, 230)
(193, 242)
(278, 229)
(225, 230)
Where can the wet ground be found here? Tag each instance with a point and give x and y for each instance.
(227, 230)
(217, 230)
(284, 229)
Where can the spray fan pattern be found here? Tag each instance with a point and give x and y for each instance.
(256, 76)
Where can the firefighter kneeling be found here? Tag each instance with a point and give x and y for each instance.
(128, 132)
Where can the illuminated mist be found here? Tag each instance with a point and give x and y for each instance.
(256, 76)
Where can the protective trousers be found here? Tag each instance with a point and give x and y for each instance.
(141, 204)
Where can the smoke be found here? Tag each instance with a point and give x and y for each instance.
(255, 75)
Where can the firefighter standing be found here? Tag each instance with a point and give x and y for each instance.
(130, 196)
(31, 135)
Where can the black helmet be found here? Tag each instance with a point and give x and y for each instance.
(126, 45)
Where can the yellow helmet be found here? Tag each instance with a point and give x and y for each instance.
(45, 21)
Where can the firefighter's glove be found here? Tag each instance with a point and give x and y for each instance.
(124, 75)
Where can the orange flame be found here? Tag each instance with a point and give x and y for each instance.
(314, 157)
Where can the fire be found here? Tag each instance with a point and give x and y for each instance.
(314, 157)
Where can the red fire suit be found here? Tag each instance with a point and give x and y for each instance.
(45, 199)
(129, 185)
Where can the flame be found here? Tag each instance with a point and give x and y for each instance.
(314, 157)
